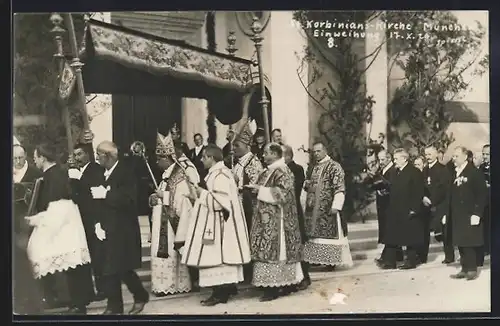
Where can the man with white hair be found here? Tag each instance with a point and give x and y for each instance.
(468, 194)
(118, 228)
(404, 225)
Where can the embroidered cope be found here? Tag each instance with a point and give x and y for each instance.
(275, 236)
(170, 220)
(327, 244)
(217, 238)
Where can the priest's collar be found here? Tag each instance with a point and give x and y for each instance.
(432, 164)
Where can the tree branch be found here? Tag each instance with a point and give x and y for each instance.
(309, 93)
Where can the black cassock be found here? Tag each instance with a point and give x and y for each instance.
(121, 249)
(74, 286)
(92, 176)
(407, 191)
(466, 199)
(26, 293)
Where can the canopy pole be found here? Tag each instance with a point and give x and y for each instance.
(58, 32)
(76, 65)
(257, 39)
(231, 49)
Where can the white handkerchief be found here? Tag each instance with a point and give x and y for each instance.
(74, 174)
(338, 298)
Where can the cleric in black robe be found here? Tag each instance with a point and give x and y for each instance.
(118, 229)
(380, 182)
(299, 178)
(404, 221)
(26, 293)
(91, 174)
(468, 195)
(77, 281)
(436, 204)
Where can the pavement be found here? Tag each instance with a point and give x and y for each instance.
(367, 289)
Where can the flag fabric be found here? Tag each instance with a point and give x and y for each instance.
(67, 81)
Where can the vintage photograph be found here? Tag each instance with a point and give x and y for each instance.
(265, 162)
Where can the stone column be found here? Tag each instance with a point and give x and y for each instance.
(377, 82)
(100, 109)
(290, 103)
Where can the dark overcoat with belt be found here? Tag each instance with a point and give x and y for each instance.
(405, 226)
(119, 219)
(468, 195)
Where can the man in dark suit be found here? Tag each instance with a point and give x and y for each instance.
(299, 178)
(404, 223)
(196, 154)
(485, 169)
(435, 201)
(468, 194)
(381, 183)
(90, 175)
(118, 229)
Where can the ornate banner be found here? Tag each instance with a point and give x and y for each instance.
(67, 82)
(168, 57)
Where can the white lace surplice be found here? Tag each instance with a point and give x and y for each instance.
(58, 241)
(329, 251)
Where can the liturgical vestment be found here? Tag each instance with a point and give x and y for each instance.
(170, 222)
(217, 239)
(326, 244)
(275, 236)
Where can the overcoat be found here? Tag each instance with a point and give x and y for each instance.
(468, 195)
(119, 219)
(437, 184)
(381, 183)
(405, 226)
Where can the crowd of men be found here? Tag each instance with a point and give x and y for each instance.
(225, 216)
(450, 201)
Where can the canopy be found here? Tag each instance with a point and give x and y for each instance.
(119, 60)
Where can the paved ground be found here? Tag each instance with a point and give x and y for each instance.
(368, 290)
